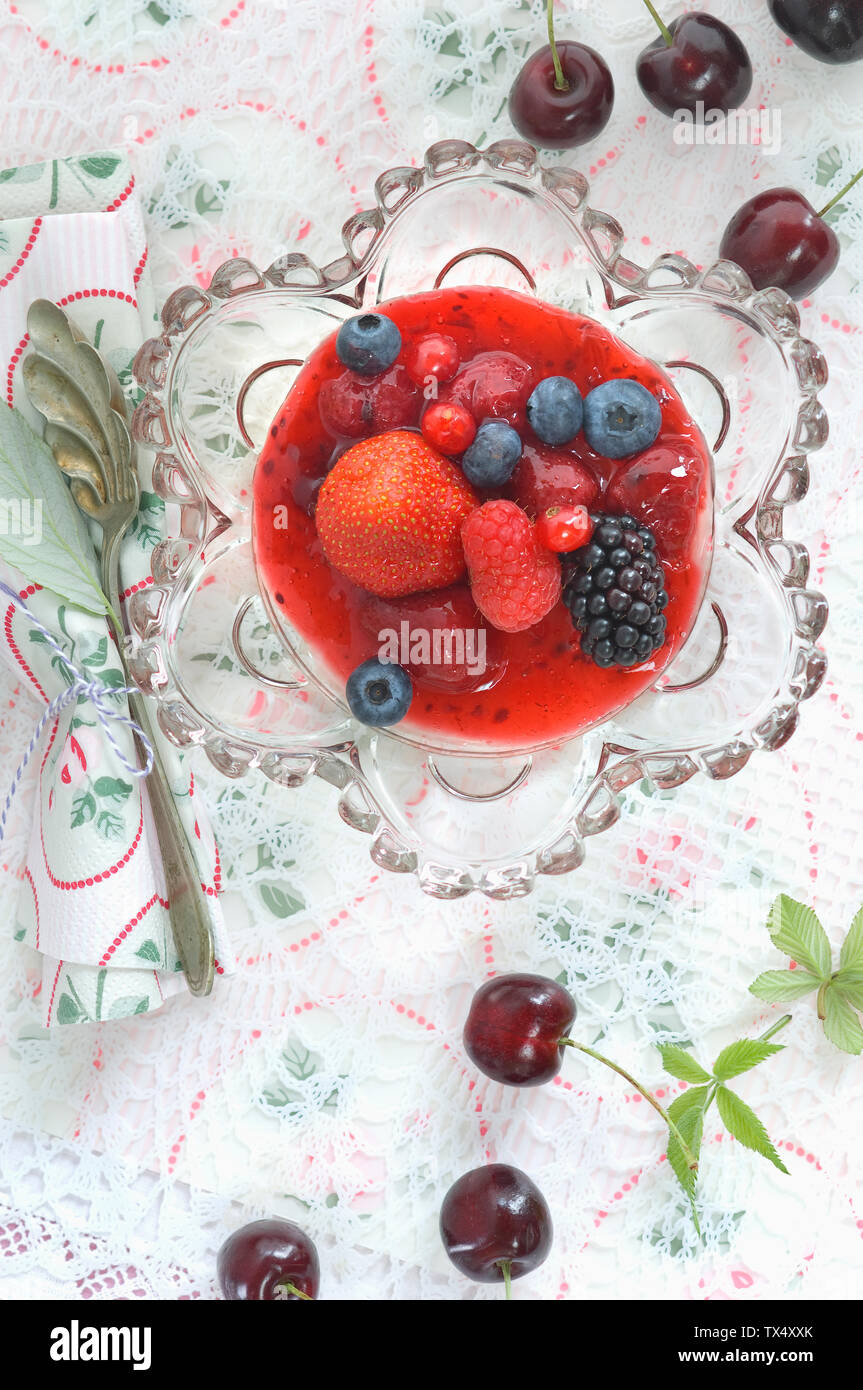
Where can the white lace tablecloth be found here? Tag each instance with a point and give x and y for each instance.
(325, 1081)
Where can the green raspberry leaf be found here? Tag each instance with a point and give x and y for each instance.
(742, 1056)
(841, 1024)
(797, 932)
(778, 986)
(850, 989)
(745, 1126)
(851, 955)
(32, 485)
(691, 1126)
(681, 1064)
(693, 1099)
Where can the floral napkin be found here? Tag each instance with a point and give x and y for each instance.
(91, 894)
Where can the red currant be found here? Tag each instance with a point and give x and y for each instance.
(448, 427)
(564, 528)
(435, 355)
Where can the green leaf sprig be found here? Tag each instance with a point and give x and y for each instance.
(685, 1115)
(688, 1110)
(796, 932)
(60, 556)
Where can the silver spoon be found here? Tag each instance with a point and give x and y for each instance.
(85, 425)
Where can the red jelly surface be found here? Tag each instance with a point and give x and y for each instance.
(538, 687)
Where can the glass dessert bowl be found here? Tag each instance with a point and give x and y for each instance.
(264, 604)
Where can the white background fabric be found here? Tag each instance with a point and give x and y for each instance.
(326, 1080)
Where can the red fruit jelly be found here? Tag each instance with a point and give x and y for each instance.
(475, 686)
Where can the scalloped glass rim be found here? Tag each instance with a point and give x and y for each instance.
(604, 762)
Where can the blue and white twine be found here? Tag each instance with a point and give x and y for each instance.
(81, 688)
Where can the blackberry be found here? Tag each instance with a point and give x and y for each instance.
(615, 592)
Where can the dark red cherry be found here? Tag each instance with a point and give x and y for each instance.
(829, 30)
(495, 1224)
(257, 1262)
(555, 118)
(514, 1028)
(705, 62)
(779, 239)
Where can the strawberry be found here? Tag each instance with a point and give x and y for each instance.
(514, 580)
(389, 515)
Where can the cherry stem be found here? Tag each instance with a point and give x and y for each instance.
(298, 1293)
(841, 194)
(663, 27)
(560, 82)
(506, 1271)
(691, 1160)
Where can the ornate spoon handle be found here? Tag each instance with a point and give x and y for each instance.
(190, 921)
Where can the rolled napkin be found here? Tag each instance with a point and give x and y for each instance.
(89, 895)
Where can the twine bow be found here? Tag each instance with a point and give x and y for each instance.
(80, 688)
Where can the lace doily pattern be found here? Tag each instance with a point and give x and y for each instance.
(326, 1080)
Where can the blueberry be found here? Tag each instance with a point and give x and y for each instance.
(368, 344)
(379, 693)
(555, 410)
(621, 418)
(492, 456)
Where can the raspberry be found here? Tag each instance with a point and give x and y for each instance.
(514, 581)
